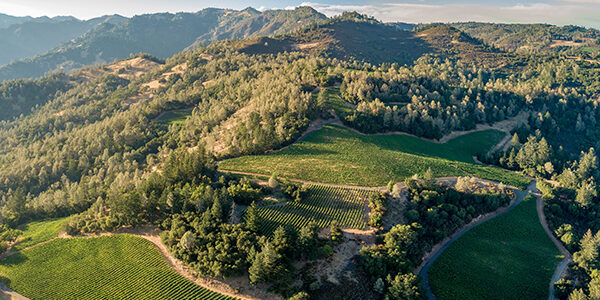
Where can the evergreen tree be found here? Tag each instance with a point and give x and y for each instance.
(252, 219)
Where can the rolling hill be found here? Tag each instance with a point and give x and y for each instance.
(354, 36)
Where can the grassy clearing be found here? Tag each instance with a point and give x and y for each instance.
(39, 231)
(337, 155)
(177, 116)
(322, 205)
(108, 267)
(508, 257)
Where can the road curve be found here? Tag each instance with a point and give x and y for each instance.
(562, 266)
(423, 269)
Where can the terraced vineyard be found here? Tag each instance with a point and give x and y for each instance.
(108, 267)
(322, 204)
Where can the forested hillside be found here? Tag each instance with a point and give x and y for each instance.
(138, 141)
(161, 35)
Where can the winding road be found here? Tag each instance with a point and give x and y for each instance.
(428, 260)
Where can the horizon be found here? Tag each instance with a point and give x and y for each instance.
(559, 12)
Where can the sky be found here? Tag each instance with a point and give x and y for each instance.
(560, 12)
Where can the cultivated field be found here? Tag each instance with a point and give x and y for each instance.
(108, 267)
(323, 205)
(337, 155)
(38, 231)
(508, 257)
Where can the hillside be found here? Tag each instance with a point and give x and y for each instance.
(37, 36)
(161, 35)
(531, 37)
(353, 36)
(350, 36)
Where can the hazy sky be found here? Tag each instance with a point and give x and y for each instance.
(578, 12)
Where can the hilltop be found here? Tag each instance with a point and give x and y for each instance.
(354, 36)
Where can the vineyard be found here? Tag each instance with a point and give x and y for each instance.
(108, 267)
(322, 204)
(338, 155)
(511, 250)
(38, 231)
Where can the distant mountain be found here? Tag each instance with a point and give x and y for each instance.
(7, 20)
(251, 22)
(531, 36)
(40, 35)
(161, 35)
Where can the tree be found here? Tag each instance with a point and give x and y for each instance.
(307, 240)
(300, 296)
(335, 233)
(273, 182)
(594, 287)
(404, 287)
(586, 193)
(376, 220)
(281, 241)
(188, 241)
(514, 142)
(390, 186)
(578, 294)
(379, 286)
(428, 177)
(396, 191)
(269, 266)
(252, 218)
(588, 165)
(463, 184)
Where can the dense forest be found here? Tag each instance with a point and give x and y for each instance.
(88, 144)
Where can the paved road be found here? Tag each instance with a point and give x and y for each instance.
(423, 269)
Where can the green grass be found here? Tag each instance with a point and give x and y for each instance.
(322, 205)
(108, 267)
(337, 155)
(38, 231)
(177, 116)
(508, 257)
